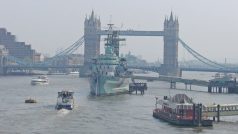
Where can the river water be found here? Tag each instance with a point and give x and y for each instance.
(122, 114)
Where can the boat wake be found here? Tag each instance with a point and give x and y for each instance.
(63, 112)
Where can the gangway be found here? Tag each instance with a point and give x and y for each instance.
(217, 110)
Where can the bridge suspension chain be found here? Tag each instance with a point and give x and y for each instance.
(71, 49)
(17, 60)
(200, 57)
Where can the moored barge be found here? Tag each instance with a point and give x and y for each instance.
(180, 110)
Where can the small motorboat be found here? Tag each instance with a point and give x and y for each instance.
(40, 80)
(74, 73)
(65, 100)
(30, 100)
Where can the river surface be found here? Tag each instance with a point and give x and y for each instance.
(121, 114)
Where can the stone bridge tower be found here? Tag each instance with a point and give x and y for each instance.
(171, 35)
(91, 41)
(3, 59)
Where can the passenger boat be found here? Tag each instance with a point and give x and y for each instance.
(180, 110)
(65, 100)
(40, 80)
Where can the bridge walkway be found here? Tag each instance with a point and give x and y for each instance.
(223, 110)
(171, 79)
(220, 110)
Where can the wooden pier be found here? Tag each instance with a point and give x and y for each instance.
(137, 87)
(223, 85)
(171, 80)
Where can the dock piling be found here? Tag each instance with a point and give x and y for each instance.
(218, 113)
(172, 85)
(137, 87)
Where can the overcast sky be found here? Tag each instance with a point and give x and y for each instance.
(208, 26)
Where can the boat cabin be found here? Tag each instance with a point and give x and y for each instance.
(179, 105)
(65, 94)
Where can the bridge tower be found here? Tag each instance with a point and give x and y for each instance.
(171, 34)
(91, 41)
(3, 59)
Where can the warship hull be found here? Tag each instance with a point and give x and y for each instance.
(102, 86)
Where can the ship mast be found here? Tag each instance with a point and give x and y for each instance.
(113, 39)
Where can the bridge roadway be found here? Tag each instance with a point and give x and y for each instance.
(157, 69)
(148, 68)
(220, 70)
(133, 33)
(41, 66)
(170, 79)
(220, 110)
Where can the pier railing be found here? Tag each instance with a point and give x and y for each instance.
(171, 79)
(220, 110)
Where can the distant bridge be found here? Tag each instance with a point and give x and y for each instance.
(41, 66)
(219, 70)
(91, 39)
(197, 69)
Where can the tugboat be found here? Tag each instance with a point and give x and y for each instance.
(108, 69)
(40, 80)
(65, 100)
(180, 110)
(30, 100)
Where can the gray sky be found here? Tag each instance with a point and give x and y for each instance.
(208, 26)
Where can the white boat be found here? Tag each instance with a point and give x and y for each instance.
(74, 73)
(56, 73)
(40, 80)
(65, 100)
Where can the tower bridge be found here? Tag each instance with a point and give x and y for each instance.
(170, 33)
(91, 40)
